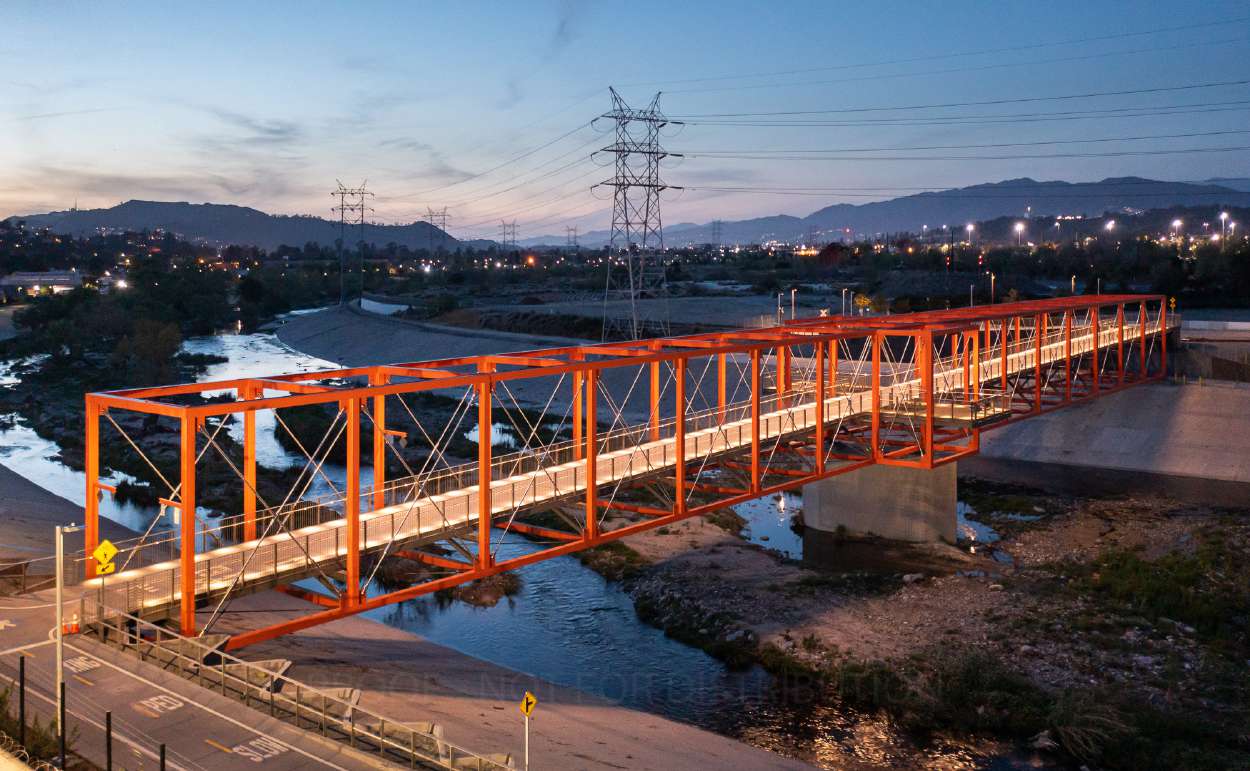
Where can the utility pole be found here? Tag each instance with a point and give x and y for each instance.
(351, 210)
(437, 219)
(637, 229)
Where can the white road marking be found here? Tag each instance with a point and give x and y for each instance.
(6, 624)
(259, 750)
(215, 713)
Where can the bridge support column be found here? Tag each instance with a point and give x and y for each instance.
(894, 502)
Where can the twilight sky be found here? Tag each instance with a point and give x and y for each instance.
(266, 104)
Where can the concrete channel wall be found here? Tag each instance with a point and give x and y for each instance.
(1189, 441)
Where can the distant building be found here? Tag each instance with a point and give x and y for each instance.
(17, 285)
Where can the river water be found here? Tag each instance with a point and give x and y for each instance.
(567, 624)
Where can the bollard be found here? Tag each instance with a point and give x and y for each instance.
(108, 740)
(61, 725)
(21, 700)
(162, 757)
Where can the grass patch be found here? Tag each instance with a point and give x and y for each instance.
(614, 561)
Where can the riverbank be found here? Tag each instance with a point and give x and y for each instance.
(28, 514)
(355, 339)
(1104, 631)
(403, 675)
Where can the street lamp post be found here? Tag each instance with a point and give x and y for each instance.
(793, 315)
(60, 620)
(1223, 225)
(1073, 284)
(1019, 234)
(843, 301)
(992, 277)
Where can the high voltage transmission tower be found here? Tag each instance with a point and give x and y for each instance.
(717, 225)
(570, 235)
(351, 202)
(438, 219)
(507, 233)
(635, 268)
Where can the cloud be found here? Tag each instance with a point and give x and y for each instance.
(567, 27)
(258, 131)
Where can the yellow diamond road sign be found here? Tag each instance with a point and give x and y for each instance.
(528, 703)
(104, 554)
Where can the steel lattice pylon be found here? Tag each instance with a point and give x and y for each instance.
(634, 269)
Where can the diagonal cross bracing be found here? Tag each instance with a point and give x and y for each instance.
(288, 556)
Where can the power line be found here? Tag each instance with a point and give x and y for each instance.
(951, 55)
(976, 68)
(1038, 143)
(1110, 154)
(1015, 100)
(493, 169)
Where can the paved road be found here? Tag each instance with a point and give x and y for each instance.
(201, 729)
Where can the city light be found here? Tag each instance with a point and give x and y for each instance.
(1110, 225)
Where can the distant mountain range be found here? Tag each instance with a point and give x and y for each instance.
(954, 207)
(224, 224)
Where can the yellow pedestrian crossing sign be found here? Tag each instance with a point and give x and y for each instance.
(528, 703)
(104, 554)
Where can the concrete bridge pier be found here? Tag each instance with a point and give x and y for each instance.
(894, 502)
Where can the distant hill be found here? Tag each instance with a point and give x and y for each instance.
(1236, 183)
(224, 224)
(956, 207)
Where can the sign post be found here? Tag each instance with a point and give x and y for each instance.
(528, 702)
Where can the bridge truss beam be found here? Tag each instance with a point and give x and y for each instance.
(660, 431)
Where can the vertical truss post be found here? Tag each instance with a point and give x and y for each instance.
(655, 401)
(876, 395)
(976, 364)
(379, 442)
(1039, 332)
(782, 360)
(249, 465)
(186, 502)
(1163, 337)
(755, 420)
(679, 428)
(1119, 343)
(1002, 344)
(579, 379)
(1095, 357)
(1141, 341)
(351, 595)
(924, 351)
(720, 385)
(1067, 356)
(485, 391)
(820, 407)
(833, 368)
(961, 347)
(591, 454)
(91, 533)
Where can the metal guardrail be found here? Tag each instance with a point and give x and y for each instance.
(285, 698)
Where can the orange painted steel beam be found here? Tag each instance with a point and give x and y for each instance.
(485, 395)
(586, 362)
(186, 534)
(434, 559)
(351, 595)
(591, 530)
(379, 442)
(91, 530)
(249, 468)
(317, 598)
(543, 532)
(679, 442)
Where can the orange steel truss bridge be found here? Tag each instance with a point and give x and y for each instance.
(609, 440)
